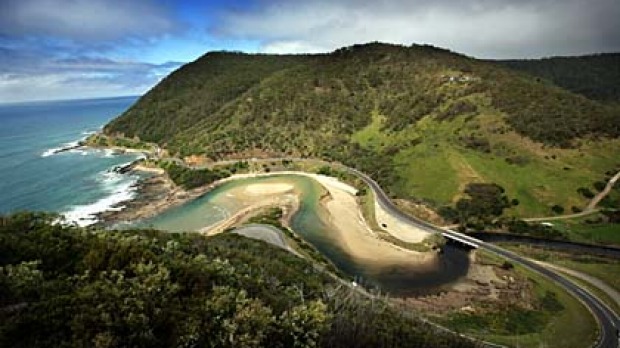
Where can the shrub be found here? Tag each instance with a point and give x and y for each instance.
(557, 209)
(585, 192)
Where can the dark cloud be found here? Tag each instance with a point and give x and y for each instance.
(483, 28)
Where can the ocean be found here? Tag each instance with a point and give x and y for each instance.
(77, 183)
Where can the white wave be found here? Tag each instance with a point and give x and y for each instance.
(69, 146)
(113, 170)
(49, 152)
(103, 153)
(62, 148)
(108, 153)
(80, 151)
(118, 187)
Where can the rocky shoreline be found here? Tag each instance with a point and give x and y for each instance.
(150, 193)
(154, 194)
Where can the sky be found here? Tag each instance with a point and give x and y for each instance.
(70, 49)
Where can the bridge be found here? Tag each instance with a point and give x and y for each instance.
(470, 242)
(606, 317)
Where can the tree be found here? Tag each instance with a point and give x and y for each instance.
(302, 326)
(557, 209)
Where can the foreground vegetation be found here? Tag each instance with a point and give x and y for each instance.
(424, 122)
(273, 217)
(68, 286)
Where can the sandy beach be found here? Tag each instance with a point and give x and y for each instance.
(343, 213)
(261, 189)
(242, 215)
(354, 234)
(258, 197)
(344, 202)
(397, 228)
(146, 169)
(340, 209)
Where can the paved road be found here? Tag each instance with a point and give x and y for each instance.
(596, 282)
(266, 233)
(607, 319)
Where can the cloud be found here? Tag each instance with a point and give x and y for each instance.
(52, 49)
(83, 20)
(64, 49)
(28, 76)
(482, 28)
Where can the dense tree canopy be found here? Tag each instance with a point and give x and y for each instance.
(594, 76)
(226, 102)
(68, 286)
(379, 108)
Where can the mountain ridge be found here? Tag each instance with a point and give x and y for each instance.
(594, 76)
(423, 121)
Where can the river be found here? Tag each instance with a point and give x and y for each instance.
(311, 222)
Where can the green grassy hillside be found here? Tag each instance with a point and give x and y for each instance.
(423, 121)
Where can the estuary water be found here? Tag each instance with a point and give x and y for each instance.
(77, 183)
(310, 222)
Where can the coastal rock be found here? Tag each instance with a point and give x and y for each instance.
(123, 169)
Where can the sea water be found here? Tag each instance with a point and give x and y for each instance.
(77, 183)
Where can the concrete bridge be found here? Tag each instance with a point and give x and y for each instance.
(470, 242)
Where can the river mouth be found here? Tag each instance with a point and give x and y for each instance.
(371, 262)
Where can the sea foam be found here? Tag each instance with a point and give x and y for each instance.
(65, 147)
(119, 188)
(70, 146)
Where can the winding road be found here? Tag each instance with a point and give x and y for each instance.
(608, 320)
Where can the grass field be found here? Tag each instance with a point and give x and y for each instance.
(572, 326)
(537, 185)
(600, 294)
(605, 269)
(579, 230)
(425, 173)
(438, 164)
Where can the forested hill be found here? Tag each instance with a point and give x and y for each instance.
(73, 287)
(594, 76)
(424, 121)
(200, 107)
